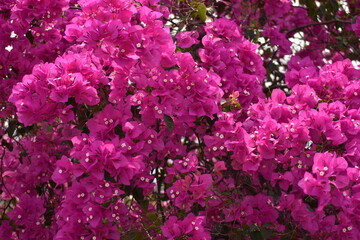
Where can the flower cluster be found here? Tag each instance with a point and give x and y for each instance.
(115, 127)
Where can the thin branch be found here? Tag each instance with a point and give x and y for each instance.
(316, 24)
(158, 195)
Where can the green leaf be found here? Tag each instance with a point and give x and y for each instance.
(139, 236)
(67, 142)
(49, 128)
(11, 129)
(134, 235)
(201, 11)
(250, 33)
(30, 37)
(144, 204)
(311, 8)
(178, 49)
(151, 216)
(7, 145)
(22, 155)
(118, 131)
(235, 233)
(227, 108)
(256, 235)
(266, 233)
(268, 224)
(108, 177)
(74, 160)
(138, 194)
(263, 20)
(334, 5)
(220, 7)
(169, 122)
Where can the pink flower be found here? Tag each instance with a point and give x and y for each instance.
(313, 186)
(62, 171)
(187, 39)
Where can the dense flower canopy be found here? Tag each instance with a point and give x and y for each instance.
(157, 119)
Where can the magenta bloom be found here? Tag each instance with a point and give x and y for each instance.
(187, 39)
